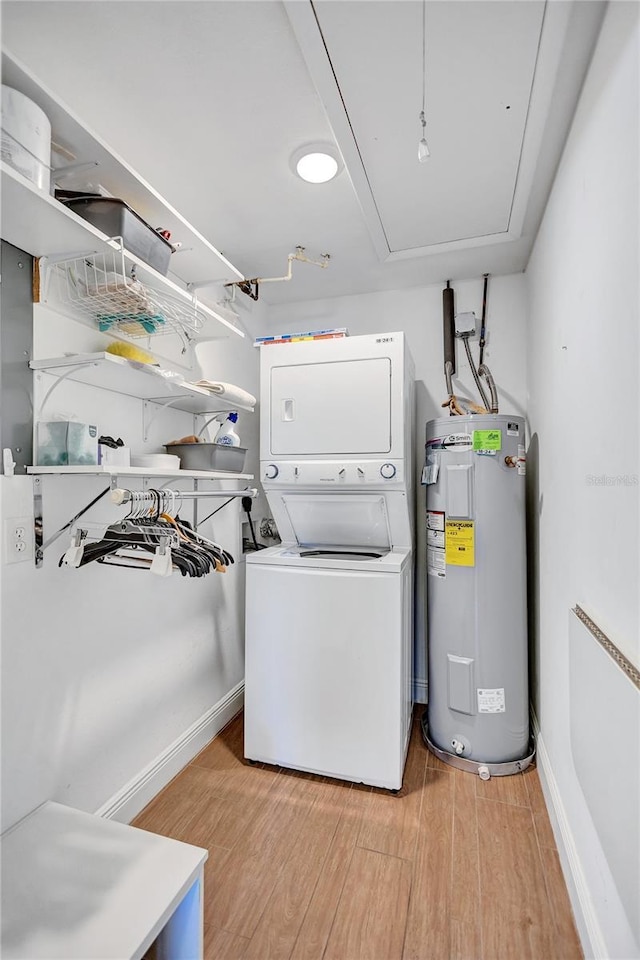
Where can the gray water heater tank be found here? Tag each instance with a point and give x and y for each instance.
(478, 708)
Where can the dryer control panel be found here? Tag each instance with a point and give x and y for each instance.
(333, 473)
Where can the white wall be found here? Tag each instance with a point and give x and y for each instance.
(584, 406)
(418, 312)
(108, 672)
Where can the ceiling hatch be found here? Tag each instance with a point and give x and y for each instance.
(481, 57)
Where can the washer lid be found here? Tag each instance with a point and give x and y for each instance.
(359, 520)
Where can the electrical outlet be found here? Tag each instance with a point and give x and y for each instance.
(18, 539)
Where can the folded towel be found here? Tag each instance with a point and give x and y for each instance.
(228, 391)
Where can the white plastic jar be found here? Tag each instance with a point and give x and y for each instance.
(26, 137)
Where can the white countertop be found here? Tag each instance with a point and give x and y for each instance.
(78, 886)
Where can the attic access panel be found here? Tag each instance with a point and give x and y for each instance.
(481, 59)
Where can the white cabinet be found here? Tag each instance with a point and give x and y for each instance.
(79, 887)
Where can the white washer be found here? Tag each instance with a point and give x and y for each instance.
(329, 622)
(328, 663)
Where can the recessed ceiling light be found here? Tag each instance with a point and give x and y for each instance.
(316, 162)
(316, 167)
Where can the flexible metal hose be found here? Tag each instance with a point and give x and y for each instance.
(483, 371)
(476, 377)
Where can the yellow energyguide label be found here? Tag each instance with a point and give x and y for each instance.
(460, 543)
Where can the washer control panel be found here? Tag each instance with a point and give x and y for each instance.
(334, 473)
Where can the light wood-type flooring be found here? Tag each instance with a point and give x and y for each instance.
(305, 868)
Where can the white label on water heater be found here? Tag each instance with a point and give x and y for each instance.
(435, 538)
(462, 441)
(491, 701)
(430, 473)
(435, 520)
(436, 565)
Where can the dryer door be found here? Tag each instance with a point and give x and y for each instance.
(336, 408)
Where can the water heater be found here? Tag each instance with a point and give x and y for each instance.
(478, 709)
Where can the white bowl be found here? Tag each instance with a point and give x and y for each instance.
(156, 461)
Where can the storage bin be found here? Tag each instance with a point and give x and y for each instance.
(208, 456)
(117, 219)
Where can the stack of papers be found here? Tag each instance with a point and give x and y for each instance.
(331, 334)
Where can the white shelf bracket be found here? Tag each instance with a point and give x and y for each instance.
(58, 380)
(40, 543)
(199, 284)
(149, 415)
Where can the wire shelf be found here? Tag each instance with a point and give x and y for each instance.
(98, 286)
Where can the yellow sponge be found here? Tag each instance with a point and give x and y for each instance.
(130, 352)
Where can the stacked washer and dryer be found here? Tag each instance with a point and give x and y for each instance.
(329, 617)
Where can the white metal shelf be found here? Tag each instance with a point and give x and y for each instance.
(200, 260)
(37, 223)
(99, 470)
(42, 226)
(142, 380)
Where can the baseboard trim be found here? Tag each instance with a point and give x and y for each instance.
(587, 923)
(124, 805)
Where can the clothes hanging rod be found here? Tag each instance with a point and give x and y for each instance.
(120, 495)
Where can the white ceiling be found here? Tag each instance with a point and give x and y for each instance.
(208, 99)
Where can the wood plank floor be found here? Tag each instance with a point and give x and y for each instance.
(306, 868)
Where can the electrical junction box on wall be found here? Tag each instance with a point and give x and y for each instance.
(466, 325)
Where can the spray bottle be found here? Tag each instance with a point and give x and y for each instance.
(226, 434)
